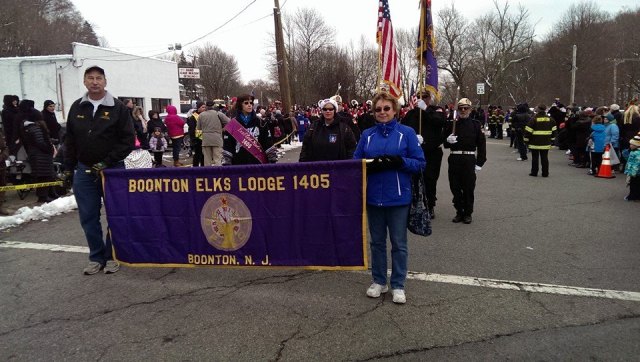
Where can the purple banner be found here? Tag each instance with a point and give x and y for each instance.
(307, 215)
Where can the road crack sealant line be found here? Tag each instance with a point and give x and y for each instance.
(426, 277)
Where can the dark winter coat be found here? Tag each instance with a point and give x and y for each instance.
(52, 124)
(36, 141)
(583, 130)
(107, 136)
(234, 154)
(433, 122)
(330, 142)
(9, 118)
(628, 130)
(521, 118)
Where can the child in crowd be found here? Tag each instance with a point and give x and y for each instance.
(157, 145)
(632, 170)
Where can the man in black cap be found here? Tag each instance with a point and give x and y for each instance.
(468, 154)
(428, 121)
(99, 135)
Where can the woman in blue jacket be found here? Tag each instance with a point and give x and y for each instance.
(393, 154)
(597, 144)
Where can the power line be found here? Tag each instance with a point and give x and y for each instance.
(135, 57)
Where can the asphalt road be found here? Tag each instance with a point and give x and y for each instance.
(569, 229)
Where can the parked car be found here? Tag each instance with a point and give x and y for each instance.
(186, 142)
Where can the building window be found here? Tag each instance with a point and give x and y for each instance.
(160, 104)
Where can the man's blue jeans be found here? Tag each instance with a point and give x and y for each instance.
(87, 188)
(393, 218)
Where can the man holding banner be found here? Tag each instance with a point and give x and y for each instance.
(99, 136)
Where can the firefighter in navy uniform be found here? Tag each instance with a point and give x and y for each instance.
(468, 154)
(430, 136)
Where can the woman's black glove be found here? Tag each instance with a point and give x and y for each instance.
(385, 163)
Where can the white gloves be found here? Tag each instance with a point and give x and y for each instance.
(478, 168)
(422, 105)
(452, 139)
(420, 139)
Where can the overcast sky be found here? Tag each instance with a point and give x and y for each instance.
(147, 28)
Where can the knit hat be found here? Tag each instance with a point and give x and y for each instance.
(635, 140)
(614, 107)
(48, 102)
(324, 102)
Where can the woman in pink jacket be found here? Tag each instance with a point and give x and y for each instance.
(175, 129)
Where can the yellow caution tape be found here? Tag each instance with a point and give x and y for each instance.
(30, 186)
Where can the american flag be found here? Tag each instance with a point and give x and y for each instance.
(413, 99)
(389, 55)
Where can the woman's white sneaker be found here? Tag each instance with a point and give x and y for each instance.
(399, 297)
(375, 290)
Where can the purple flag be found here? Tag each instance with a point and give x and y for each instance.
(308, 215)
(426, 49)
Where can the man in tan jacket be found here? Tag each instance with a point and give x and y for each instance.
(211, 123)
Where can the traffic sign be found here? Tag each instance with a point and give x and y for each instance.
(480, 88)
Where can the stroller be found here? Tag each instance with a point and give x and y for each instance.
(19, 171)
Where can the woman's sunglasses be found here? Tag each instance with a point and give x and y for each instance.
(385, 108)
(328, 109)
(246, 102)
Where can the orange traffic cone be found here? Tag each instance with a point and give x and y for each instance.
(605, 167)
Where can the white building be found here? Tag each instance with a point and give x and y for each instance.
(151, 83)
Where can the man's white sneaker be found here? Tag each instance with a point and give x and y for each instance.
(375, 290)
(93, 268)
(399, 297)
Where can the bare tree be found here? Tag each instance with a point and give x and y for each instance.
(364, 62)
(406, 46)
(504, 39)
(454, 52)
(219, 72)
(308, 35)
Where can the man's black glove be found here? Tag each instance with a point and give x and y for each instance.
(98, 167)
(67, 179)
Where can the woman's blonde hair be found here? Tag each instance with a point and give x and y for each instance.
(385, 96)
(630, 112)
(137, 111)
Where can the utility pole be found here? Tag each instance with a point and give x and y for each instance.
(573, 75)
(283, 68)
(616, 62)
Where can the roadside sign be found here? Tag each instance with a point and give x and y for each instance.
(191, 73)
(480, 88)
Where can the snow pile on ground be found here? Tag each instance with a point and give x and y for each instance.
(58, 206)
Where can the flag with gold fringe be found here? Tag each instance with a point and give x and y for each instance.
(426, 49)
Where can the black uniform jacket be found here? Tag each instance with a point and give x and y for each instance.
(470, 138)
(106, 137)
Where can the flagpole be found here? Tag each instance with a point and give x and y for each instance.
(421, 63)
(379, 80)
